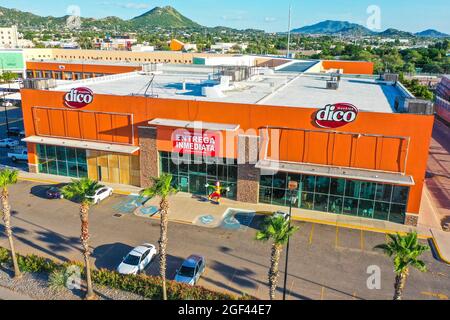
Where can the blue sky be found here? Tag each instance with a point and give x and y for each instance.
(270, 15)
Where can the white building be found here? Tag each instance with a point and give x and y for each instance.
(223, 47)
(9, 37)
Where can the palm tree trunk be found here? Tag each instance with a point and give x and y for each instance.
(400, 281)
(6, 209)
(84, 216)
(163, 244)
(273, 271)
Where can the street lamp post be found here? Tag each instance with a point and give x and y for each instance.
(293, 186)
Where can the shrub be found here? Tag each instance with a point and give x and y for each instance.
(5, 255)
(143, 285)
(33, 263)
(58, 279)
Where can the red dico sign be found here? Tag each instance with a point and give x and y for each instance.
(336, 115)
(78, 98)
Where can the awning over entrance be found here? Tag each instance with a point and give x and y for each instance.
(194, 125)
(347, 173)
(79, 144)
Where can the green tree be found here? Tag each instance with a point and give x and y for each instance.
(9, 177)
(405, 252)
(83, 191)
(162, 187)
(278, 230)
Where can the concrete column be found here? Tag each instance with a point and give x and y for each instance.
(412, 219)
(248, 175)
(149, 158)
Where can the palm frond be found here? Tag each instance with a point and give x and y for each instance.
(277, 229)
(81, 190)
(8, 177)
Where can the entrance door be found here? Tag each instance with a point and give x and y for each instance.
(197, 184)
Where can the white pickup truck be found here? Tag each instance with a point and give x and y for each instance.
(20, 154)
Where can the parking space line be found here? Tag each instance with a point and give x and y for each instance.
(440, 296)
(311, 234)
(291, 288)
(337, 237)
(362, 240)
(322, 293)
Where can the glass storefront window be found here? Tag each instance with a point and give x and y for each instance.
(338, 196)
(191, 173)
(62, 161)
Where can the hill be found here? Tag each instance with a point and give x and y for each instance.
(334, 27)
(431, 33)
(165, 17)
(394, 33)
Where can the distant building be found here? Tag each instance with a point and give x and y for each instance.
(9, 37)
(225, 47)
(177, 45)
(121, 43)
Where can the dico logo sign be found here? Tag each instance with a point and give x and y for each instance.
(336, 115)
(78, 98)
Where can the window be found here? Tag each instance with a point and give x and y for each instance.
(62, 161)
(337, 196)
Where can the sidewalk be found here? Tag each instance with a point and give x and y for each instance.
(8, 294)
(188, 209)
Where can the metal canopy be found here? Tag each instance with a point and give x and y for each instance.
(194, 125)
(328, 171)
(80, 144)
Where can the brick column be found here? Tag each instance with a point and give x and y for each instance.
(149, 158)
(412, 219)
(248, 175)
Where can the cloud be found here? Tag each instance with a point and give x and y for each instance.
(232, 18)
(270, 19)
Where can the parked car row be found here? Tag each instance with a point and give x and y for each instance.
(138, 259)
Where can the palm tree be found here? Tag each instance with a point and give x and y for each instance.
(83, 190)
(279, 230)
(7, 178)
(405, 252)
(163, 188)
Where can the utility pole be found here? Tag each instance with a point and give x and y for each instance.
(289, 32)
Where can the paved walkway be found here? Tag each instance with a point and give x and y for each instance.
(8, 294)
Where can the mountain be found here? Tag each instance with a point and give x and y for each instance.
(394, 33)
(165, 17)
(334, 27)
(431, 33)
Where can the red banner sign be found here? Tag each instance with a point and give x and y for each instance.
(336, 115)
(206, 144)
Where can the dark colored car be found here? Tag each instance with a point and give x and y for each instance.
(54, 193)
(15, 132)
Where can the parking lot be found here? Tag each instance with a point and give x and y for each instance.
(15, 119)
(326, 262)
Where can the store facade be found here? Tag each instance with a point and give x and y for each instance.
(356, 167)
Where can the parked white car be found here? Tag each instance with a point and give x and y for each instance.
(137, 260)
(101, 195)
(9, 143)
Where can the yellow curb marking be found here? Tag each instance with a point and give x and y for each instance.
(440, 296)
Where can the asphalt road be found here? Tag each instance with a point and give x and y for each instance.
(325, 262)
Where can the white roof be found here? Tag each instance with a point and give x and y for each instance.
(279, 89)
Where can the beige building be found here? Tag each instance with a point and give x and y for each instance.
(9, 37)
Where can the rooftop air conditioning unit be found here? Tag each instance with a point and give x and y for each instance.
(332, 84)
(390, 77)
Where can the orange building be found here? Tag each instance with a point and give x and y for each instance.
(72, 70)
(353, 148)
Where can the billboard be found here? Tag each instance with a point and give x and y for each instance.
(11, 60)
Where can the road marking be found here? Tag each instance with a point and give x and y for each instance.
(362, 240)
(292, 288)
(322, 293)
(337, 236)
(440, 296)
(311, 234)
